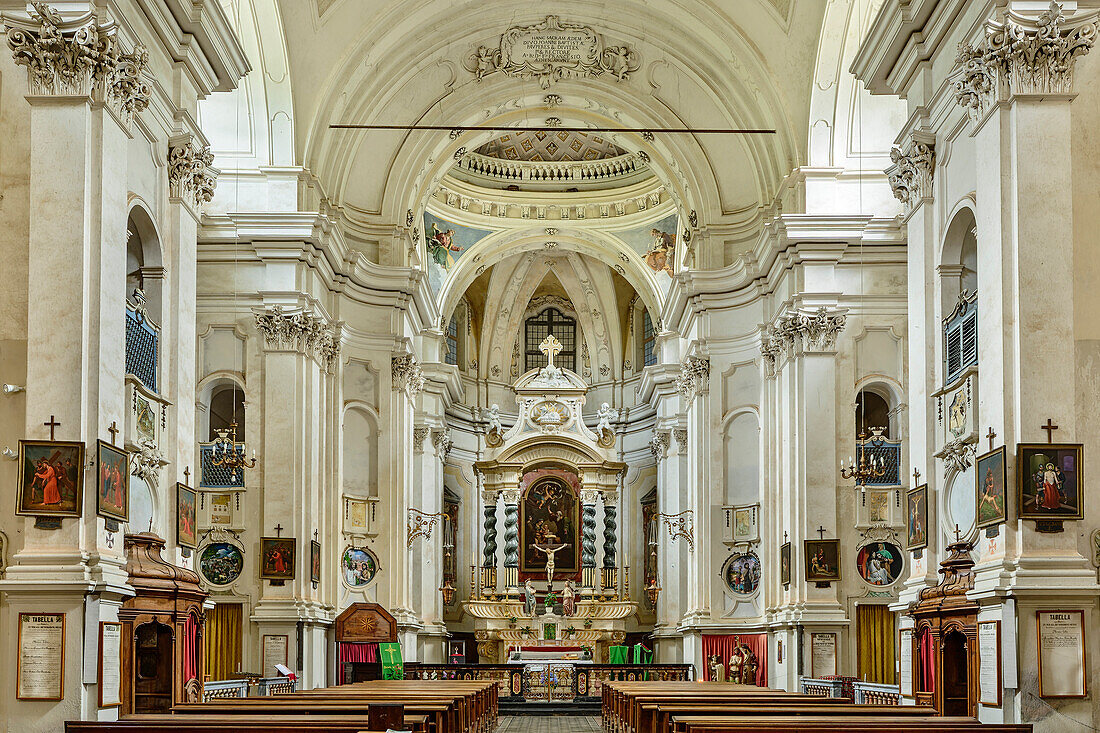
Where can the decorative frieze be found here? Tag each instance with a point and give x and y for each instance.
(694, 377)
(1023, 55)
(406, 374)
(811, 330)
(301, 331)
(191, 175)
(910, 175)
(78, 57)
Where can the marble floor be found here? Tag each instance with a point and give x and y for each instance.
(549, 724)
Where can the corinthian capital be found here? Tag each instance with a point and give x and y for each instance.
(301, 331)
(406, 374)
(694, 377)
(1023, 55)
(910, 175)
(191, 175)
(78, 57)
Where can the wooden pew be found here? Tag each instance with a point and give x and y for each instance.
(838, 724)
(167, 723)
(657, 717)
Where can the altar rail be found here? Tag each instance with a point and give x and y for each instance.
(262, 687)
(587, 682)
(862, 693)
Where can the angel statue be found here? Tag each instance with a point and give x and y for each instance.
(492, 415)
(606, 414)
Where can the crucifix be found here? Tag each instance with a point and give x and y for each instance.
(279, 530)
(916, 477)
(784, 536)
(991, 435)
(1050, 428)
(54, 424)
(113, 430)
(957, 538)
(551, 347)
(549, 551)
(820, 532)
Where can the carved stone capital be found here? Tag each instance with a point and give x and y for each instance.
(191, 175)
(441, 439)
(659, 444)
(694, 377)
(813, 331)
(590, 496)
(301, 331)
(610, 497)
(420, 434)
(1022, 55)
(489, 498)
(511, 496)
(681, 436)
(407, 375)
(910, 175)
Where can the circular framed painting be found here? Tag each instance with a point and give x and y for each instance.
(742, 573)
(879, 563)
(221, 562)
(358, 567)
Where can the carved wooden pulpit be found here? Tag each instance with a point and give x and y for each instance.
(161, 630)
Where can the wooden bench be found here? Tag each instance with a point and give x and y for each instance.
(165, 723)
(657, 717)
(837, 724)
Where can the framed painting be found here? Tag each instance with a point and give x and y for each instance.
(879, 563)
(221, 563)
(990, 491)
(822, 560)
(186, 534)
(916, 517)
(277, 558)
(550, 514)
(112, 482)
(358, 567)
(745, 523)
(785, 564)
(742, 573)
(1048, 478)
(51, 478)
(314, 561)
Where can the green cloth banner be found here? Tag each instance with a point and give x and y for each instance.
(642, 655)
(392, 666)
(617, 654)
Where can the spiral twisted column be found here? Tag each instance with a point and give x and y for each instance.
(489, 551)
(589, 498)
(511, 538)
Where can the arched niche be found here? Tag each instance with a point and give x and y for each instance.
(359, 441)
(958, 267)
(222, 400)
(144, 259)
(741, 452)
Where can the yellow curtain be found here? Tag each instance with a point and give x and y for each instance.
(223, 641)
(877, 643)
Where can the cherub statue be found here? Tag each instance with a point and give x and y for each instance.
(492, 415)
(606, 414)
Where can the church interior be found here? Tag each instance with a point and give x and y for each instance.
(465, 367)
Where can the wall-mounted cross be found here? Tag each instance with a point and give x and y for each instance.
(991, 435)
(187, 475)
(54, 424)
(820, 532)
(916, 478)
(279, 530)
(1050, 428)
(113, 430)
(957, 537)
(784, 536)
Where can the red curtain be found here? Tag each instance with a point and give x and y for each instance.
(354, 652)
(927, 651)
(723, 645)
(190, 647)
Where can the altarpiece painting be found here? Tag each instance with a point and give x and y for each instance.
(549, 519)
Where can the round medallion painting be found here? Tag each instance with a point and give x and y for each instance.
(742, 573)
(879, 563)
(221, 562)
(359, 566)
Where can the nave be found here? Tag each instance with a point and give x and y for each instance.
(549, 724)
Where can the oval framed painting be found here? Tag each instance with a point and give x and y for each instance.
(358, 567)
(879, 563)
(221, 562)
(742, 572)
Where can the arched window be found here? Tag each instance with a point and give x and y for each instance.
(872, 411)
(227, 408)
(451, 357)
(959, 285)
(538, 327)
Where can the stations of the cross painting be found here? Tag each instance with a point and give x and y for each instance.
(551, 347)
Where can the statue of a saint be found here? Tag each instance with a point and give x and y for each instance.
(749, 666)
(737, 661)
(717, 669)
(529, 598)
(568, 599)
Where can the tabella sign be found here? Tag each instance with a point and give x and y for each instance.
(551, 51)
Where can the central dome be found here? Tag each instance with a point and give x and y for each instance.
(550, 145)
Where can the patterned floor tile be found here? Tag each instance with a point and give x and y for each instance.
(549, 724)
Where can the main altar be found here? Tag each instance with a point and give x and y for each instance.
(555, 585)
